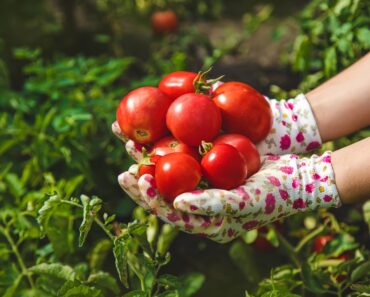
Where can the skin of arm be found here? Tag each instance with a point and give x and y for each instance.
(352, 171)
(342, 104)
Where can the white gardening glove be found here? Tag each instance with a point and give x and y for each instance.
(294, 128)
(284, 186)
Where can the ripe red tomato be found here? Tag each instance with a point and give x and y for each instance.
(148, 168)
(224, 167)
(244, 110)
(175, 174)
(141, 114)
(320, 242)
(170, 144)
(192, 118)
(164, 21)
(177, 83)
(245, 147)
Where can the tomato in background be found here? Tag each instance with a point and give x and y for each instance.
(193, 118)
(245, 147)
(175, 174)
(163, 22)
(224, 167)
(244, 110)
(141, 115)
(177, 83)
(320, 242)
(170, 144)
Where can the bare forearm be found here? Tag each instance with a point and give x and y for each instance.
(342, 104)
(352, 171)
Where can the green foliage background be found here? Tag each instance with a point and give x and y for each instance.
(58, 97)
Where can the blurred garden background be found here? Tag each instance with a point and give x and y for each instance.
(65, 65)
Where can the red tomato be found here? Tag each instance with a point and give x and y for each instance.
(175, 174)
(141, 114)
(177, 83)
(164, 21)
(170, 145)
(224, 167)
(245, 147)
(148, 168)
(244, 110)
(192, 118)
(320, 242)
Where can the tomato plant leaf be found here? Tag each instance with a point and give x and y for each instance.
(120, 256)
(57, 270)
(90, 210)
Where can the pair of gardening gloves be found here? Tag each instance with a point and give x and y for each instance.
(284, 185)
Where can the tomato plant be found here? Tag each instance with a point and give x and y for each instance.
(193, 118)
(141, 114)
(175, 174)
(224, 167)
(245, 147)
(244, 110)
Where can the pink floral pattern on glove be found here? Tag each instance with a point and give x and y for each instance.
(294, 128)
(284, 186)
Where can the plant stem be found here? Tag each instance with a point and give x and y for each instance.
(18, 256)
(100, 223)
(308, 238)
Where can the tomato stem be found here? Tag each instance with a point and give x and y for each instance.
(202, 85)
(205, 147)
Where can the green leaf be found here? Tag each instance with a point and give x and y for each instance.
(330, 61)
(76, 289)
(243, 257)
(99, 253)
(165, 238)
(120, 257)
(363, 36)
(341, 243)
(360, 271)
(169, 293)
(104, 281)
(138, 231)
(47, 210)
(190, 284)
(14, 184)
(11, 290)
(361, 289)
(169, 280)
(90, 210)
(311, 281)
(301, 49)
(57, 270)
(136, 293)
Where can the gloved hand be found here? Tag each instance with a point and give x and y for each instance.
(284, 186)
(294, 128)
(223, 215)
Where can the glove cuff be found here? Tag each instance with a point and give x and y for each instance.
(318, 188)
(294, 128)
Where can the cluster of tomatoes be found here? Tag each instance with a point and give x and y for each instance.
(190, 135)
